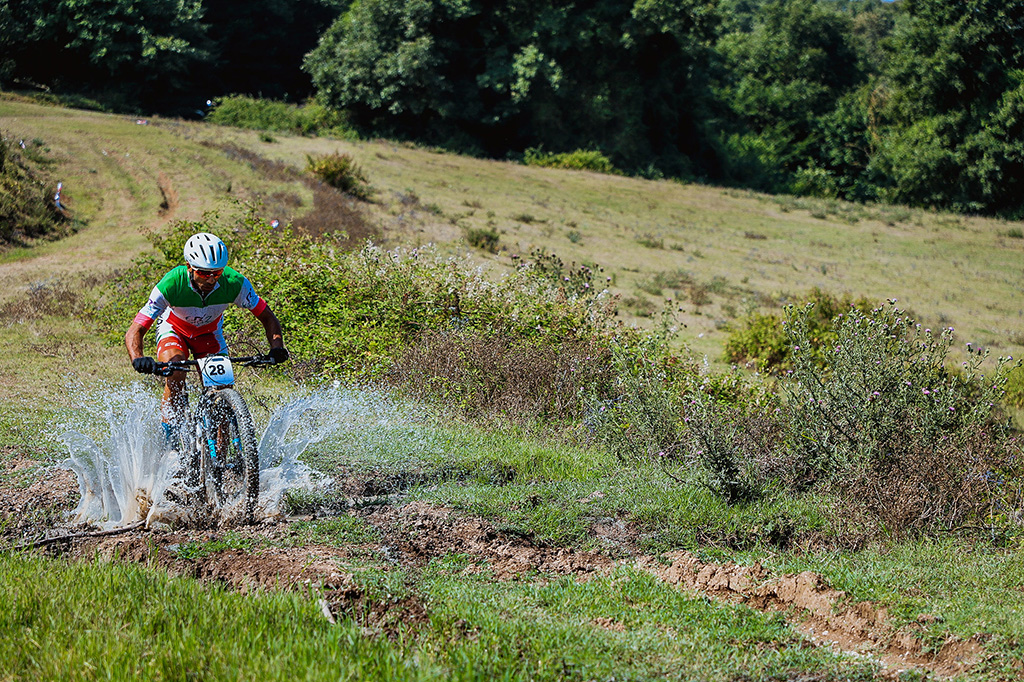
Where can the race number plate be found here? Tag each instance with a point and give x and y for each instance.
(216, 371)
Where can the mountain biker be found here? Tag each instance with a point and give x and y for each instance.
(188, 306)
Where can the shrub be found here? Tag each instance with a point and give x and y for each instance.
(26, 203)
(638, 419)
(487, 376)
(485, 238)
(881, 420)
(353, 313)
(577, 160)
(572, 279)
(736, 438)
(760, 339)
(341, 172)
(268, 115)
(1014, 395)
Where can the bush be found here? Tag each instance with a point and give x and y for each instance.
(638, 418)
(355, 313)
(880, 420)
(26, 204)
(761, 341)
(484, 238)
(487, 376)
(577, 160)
(311, 118)
(341, 172)
(737, 438)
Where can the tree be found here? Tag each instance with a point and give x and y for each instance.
(778, 79)
(148, 47)
(950, 120)
(258, 45)
(502, 76)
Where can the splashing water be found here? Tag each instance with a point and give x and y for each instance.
(125, 475)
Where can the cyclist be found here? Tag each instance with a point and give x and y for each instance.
(188, 306)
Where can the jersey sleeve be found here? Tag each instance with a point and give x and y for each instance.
(154, 307)
(248, 298)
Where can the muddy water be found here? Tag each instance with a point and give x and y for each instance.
(116, 449)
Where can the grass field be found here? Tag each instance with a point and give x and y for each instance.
(580, 605)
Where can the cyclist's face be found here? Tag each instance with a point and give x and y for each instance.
(205, 280)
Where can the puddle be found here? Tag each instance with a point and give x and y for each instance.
(116, 449)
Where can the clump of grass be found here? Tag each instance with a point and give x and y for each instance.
(338, 531)
(50, 297)
(484, 238)
(525, 218)
(650, 241)
(340, 171)
(230, 540)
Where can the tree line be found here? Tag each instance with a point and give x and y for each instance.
(913, 101)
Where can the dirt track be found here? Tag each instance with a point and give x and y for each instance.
(411, 534)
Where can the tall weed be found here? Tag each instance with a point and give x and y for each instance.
(881, 420)
(737, 438)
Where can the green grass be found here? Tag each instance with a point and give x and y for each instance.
(87, 621)
(339, 531)
(90, 621)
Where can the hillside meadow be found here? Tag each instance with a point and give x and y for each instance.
(463, 549)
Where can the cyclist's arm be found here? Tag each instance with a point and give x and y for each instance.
(154, 307)
(133, 340)
(271, 325)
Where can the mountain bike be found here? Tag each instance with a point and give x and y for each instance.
(218, 440)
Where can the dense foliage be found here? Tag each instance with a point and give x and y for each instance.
(913, 101)
(169, 55)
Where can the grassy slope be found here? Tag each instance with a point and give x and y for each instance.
(749, 248)
(949, 270)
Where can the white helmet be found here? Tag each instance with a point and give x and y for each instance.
(206, 251)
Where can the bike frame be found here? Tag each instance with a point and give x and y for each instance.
(220, 434)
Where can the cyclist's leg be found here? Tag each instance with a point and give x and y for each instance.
(206, 345)
(174, 405)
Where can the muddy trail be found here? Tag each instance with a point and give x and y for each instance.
(409, 534)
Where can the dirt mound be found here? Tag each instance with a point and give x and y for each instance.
(822, 613)
(419, 532)
(26, 509)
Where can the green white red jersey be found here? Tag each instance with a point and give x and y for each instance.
(181, 309)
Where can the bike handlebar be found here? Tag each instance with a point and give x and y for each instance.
(164, 369)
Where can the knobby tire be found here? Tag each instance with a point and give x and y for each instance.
(237, 456)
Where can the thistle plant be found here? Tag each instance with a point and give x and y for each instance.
(881, 417)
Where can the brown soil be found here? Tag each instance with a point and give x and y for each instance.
(413, 533)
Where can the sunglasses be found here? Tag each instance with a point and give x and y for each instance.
(207, 274)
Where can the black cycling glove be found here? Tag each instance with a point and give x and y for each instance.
(145, 365)
(279, 355)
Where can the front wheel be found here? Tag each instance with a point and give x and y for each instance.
(229, 452)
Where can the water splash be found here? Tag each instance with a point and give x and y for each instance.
(125, 476)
